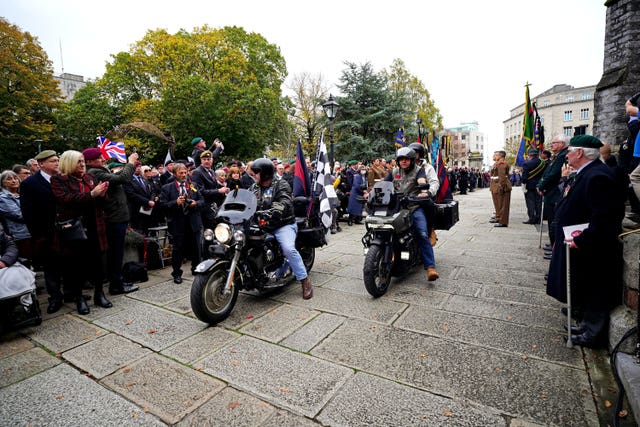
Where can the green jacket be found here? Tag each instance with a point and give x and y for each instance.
(115, 208)
(548, 184)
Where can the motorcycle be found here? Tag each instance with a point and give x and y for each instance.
(241, 255)
(389, 245)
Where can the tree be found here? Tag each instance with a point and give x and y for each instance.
(309, 120)
(29, 95)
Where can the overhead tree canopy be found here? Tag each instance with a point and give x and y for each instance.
(28, 95)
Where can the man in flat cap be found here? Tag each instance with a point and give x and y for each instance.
(39, 212)
(116, 213)
(200, 145)
(531, 172)
(591, 198)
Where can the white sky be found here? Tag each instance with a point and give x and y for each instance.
(473, 56)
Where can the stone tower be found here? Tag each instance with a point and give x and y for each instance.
(621, 70)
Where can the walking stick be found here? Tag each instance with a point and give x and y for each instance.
(567, 249)
(541, 222)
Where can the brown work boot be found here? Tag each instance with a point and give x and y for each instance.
(432, 274)
(433, 238)
(307, 290)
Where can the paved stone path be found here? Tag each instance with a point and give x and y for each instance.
(480, 346)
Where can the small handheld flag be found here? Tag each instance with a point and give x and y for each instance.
(112, 149)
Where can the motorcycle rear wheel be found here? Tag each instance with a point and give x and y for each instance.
(208, 301)
(308, 257)
(377, 275)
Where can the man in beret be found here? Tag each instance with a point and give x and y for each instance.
(39, 212)
(199, 145)
(213, 193)
(590, 198)
(116, 213)
(500, 188)
(531, 172)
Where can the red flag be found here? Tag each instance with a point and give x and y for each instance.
(444, 192)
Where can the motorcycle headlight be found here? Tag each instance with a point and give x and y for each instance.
(223, 233)
(207, 234)
(238, 236)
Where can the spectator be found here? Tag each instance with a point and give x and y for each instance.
(500, 188)
(140, 201)
(200, 145)
(356, 196)
(531, 172)
(11, 213)
(78, 197)
(548, 184)
(33, 166)
(22, 171)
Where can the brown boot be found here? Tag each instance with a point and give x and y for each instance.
(307, 290)
(433, 238)
(432, 274)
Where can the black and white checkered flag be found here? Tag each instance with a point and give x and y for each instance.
(324, 184)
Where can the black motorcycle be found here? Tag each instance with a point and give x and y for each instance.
(389, 245)
(241, 255)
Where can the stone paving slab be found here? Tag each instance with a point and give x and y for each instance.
(63, 397)
(523, 314)
(163, 387)
(345, 284)
(182, 305)
(309, 335)
(419, 292)
(506, 263)
(277, 324)
(523, 295)
(363, 307)
(13, 344)
(368, 400)
(24, 364)
(200, 345)
(284, 378)
(120, 303)
(230, 407)
(287, 419)
(500, 277)
(526, 388)
(542, 343)
(151, 326)
(248, 308)
(105, 355)
(162, 293)
(64, 332)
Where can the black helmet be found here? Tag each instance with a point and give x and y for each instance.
(406, 153)
(419, 149)
(264, 167)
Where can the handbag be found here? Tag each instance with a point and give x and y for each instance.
(71, 230)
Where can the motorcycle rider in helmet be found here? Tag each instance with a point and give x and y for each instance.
(406, 179)
(275, 203)
(432, 179)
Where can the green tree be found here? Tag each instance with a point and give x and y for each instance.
(29, 95)
(309, 120)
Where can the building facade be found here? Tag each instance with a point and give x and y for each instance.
(69, 84)
(562, 109)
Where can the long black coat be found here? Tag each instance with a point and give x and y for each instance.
(596, 266)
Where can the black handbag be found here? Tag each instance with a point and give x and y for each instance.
(71, 230)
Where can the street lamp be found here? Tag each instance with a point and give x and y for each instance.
(39, 142)
(331, 109)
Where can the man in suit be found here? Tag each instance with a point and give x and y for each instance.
(200, 146)
(139, 196)
(182, 203)
(531, 173)
(246, 180)
(591, 198)
(39, 212)
(206, 179)
(500, 188)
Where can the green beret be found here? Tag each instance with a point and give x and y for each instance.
(532, 151)
(586, 141)
(195, 140)
(352, 162)
(292, 162)
(115, 165)
(43, 155)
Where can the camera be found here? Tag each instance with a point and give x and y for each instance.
(187, 201)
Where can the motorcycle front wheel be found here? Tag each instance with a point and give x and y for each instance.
(209, 302)
(377, 273)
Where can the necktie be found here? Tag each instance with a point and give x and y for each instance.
(183, 191)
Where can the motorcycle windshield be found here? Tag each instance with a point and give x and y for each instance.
(381, 193)
(239, 206)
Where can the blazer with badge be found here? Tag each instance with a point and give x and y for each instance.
(178, 217)
(208, 185)
(596, 264)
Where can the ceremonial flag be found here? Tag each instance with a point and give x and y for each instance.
(112, 149)
(168, 157)
(538, 131)
(527, 130)
(444, 192)
(301, 180)
(435, 149)
(324, 186)
(400, 139)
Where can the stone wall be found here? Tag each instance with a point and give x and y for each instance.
(621, 70)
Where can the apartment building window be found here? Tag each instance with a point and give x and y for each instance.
(546, 103)
(567, 131)
(569, 98)
(586, 96)
(584, 114)
(568, 116)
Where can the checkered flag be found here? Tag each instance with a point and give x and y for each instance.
(324, 184)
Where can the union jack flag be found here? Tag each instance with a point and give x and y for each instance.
(112, 149)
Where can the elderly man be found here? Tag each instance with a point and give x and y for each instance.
(590, 199)
(548, 184)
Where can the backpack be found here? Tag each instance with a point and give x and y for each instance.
(134, 272)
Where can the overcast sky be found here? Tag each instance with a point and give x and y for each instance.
(473, 56)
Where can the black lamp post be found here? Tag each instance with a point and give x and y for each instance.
(39, 142)
(331, 109)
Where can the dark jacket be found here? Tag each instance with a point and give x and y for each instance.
(177, 217)
(277, 200)
(550, 179)
(532, 171)
(116, 208)
(38, 206)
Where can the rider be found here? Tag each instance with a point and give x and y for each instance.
(406, 180)
(432, 179)
(275, 202)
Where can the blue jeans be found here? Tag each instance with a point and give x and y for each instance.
(420, 231)
(286, 237)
